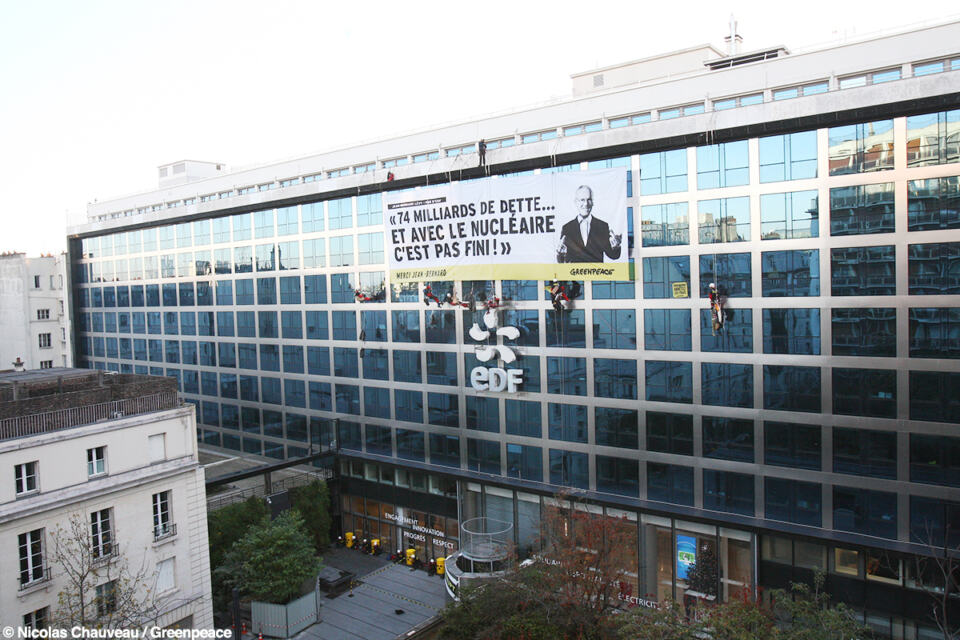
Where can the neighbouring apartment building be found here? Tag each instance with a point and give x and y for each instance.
(33, 320)
(103, 497)
(816, 430)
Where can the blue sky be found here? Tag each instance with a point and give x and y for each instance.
(94, 95)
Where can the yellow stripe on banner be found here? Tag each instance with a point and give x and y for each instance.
(573, 271)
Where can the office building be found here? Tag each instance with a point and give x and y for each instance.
(33, 319)
(104, 498)
(816, 430)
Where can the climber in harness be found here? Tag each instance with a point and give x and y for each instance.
(716, 308)
(429, 295)
(558, 296)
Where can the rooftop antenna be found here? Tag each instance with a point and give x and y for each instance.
(733, 40)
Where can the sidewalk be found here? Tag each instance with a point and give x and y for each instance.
(384, 588)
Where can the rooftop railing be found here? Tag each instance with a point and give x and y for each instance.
(22, 426)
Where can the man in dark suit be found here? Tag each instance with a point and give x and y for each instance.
(586, 238)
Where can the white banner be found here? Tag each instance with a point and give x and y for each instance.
(563, 226)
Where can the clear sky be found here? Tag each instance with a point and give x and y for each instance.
(95, 94)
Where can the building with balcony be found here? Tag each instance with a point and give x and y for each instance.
(34, 321)
(814, 431)
(108, 462)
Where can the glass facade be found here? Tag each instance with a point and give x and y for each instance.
(820, 403)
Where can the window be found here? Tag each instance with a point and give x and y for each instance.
(156, 445)
(792, 501)
(863, 79)
(666, 330)
(616, 427)
(864, 332)
(25, 477)
(523, 418)
(727, 491)
(933, 396)
(934, 268)
(935, 459)
(166, 579)
(483, 455)
(520, 289)
(790, 273)
(934, 522)
(788, 157)
(670, 483)
(933, 203)
(101, 534)
(670, 433)
(44, 339)
(663, 172)
(667, 277)
(862, 209)
(789, 215)
(726, 384)
(787, 388)
(722, 165)
(36, 279)
(341, 251)
(665, 224)
(567, 422)
(865, 392)
(859, 271)
(96, 461)
(792, 445)
(669, 381)
(445, 450)
(43, 314)
(739, 101)
(369, 211)
(858, 148)
(32, 567)
(569, 468)
(483, 414)
(615, 378)
(864, 452)
(935, 332)
(724, 220)
(618, 476)
(623, 121)
(567, 328)
(443, 409)
(933, 138)
(106, 598)
(615, 329)
(795, 331)
(864, 511)
(731, 272)
(38, 619)
(369, 248)
(525, 462)
(162, 525)
(567, 376)
(728, 439)
(736, 336)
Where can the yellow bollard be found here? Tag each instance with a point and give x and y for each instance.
(349, 536)
(441, 561)
(411, 555)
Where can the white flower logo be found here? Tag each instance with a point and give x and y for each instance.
(487, 351)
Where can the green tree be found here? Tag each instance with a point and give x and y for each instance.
(313, 503)
(669, 622)
(272, 560)
(227, 525)
(805, 613)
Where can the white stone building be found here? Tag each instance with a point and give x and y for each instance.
(117, 453)
(33, 321)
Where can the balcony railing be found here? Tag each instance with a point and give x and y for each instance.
(164, 531)
(21, 426)
(33, 580)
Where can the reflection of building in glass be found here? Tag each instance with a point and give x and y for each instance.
(813, 432)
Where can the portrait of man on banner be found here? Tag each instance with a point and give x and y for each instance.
(587, 238)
